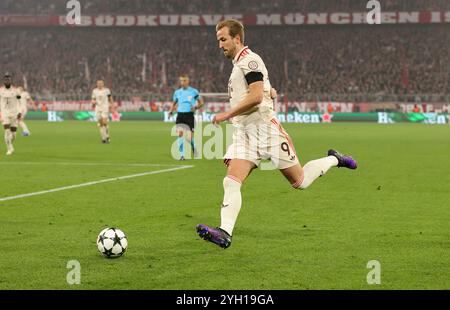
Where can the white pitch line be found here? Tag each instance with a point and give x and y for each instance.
(86, 164)
(93, 183)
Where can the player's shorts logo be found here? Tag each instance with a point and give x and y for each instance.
(253, 65)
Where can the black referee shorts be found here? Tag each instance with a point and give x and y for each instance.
(186, 119)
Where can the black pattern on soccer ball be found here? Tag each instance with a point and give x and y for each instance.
(112, 242)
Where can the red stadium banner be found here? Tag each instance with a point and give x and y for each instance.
(29, 20)
(288, 19)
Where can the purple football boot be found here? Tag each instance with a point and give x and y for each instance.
(343, 160)
(214, 235)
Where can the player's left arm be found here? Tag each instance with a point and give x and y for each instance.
(112, 105)
(199, 103)
(254, 97)
(18, 96)
(33, 103)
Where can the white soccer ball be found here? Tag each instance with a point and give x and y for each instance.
(112, 242)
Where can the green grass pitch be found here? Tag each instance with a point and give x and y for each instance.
(395, 209)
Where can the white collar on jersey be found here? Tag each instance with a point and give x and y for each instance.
(238, 55)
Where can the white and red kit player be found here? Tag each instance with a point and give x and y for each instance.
(257, 133)
(9, 109)
(23, 109)
(102, 101)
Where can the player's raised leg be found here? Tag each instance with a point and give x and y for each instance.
(238, 171)
(302, 177)
(23, 109)
(24, 127)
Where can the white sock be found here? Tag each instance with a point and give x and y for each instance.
(13, 136)
(103, 132)
(231, 206)
(23, 126)
(8, 139)
(314, 169)
(107, 131)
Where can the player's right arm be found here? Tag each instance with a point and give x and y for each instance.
(251, 68)
(33, 103)
(253, 98)
(94, 99)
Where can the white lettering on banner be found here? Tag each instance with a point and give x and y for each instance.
(436, 17)
(104, 20)
(190, 20)
(447, 17)
(320, 18)
(434, 118)
(52, 116)
(299, 118)
(272, 19)
(383, 118)
(340, 18)
(389, 18)
(337, 18)
(212, 19)
(294, 19)
(125, 20)
(169, 20)
(147, 20)
(411, 17)
(358, 18)
(290, 18)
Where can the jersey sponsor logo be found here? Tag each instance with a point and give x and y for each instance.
(253, 65)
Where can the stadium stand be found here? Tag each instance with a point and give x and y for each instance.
(210, 6)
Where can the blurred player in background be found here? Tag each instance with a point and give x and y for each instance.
(102, 101)
(9, 108)
(186, 100)
(23, 109)
(257, 133)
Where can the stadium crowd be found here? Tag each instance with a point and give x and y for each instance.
(333, 63)
(210, 6)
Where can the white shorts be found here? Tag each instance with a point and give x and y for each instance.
(101, 114)
(10, 119)
(264, 141)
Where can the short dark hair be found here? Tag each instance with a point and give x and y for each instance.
(236, 28)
